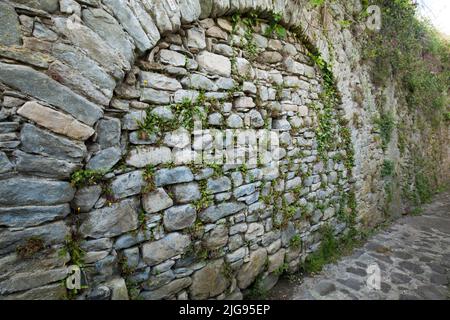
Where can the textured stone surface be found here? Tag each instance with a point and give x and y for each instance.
(38, 141)
(43, 166)
(31, 191)
(214, 213)
(156, 201)
(209, 281)
(248, 272)
(10, 32)
(28, 216)
(172, 176)
(50, 234)
(214, 64)
(42, 87)
(55, 121)
(179, 217)
(406, 271)
(111, 221)
(127, 184)
(143, 156)
(169, 246)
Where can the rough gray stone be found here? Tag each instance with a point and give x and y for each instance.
(156, 201)
(78, 83)
(155, 96)
(108, 132)
(167, 290)
(171, 245)
(209, 281)
(10, 33)
(172, 57)
(53, 233)
(190, 10)
(186, 192)
(32, 191)
(130, 23)
(112, 221)
(94, 46)
(35, 140)
(85, 198)
(143, 156)
(179, 217)
(146, 21)
(43, 166)
(199, 82)
(248, 272)
(221, 184)
(214, 213)
(127, 184)
(46, 5)
(5, 164)
(217, 237)
(29, 216)
(105, 159)
(158, 81)
(38, 85)
(29, 280)
(88, 68)
(172, 176)
(196, 38)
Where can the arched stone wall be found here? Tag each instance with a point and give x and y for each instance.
(92, 91)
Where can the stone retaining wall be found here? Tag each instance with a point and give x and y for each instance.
(92, 94)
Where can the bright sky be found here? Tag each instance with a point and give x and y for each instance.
(438, 12)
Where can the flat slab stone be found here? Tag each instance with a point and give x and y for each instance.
(39, 85)
(55, 121)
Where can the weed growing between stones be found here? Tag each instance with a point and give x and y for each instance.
(148, 176)
(83, 178)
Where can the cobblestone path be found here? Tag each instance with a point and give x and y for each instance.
(413, 256)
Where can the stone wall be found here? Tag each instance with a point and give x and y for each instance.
(92, 158)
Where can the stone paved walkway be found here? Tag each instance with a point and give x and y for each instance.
(413, 255)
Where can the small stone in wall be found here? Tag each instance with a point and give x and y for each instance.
(171, 245)
(172, 57)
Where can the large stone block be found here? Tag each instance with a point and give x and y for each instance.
(130, 23)
(143, 156)
(10, 30)
(249, 271)
(179, 217)
(171, 245)
(156, 201)
(112, 221)
(35, 140)
(33, 191)
(159, 81)
(165, 177)
(51, 234)
(209, 281)
(55, 121)
(214, 63)
(43, 166)
(214, 213)
(29, 216)
(39, 85)
(127, 184)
